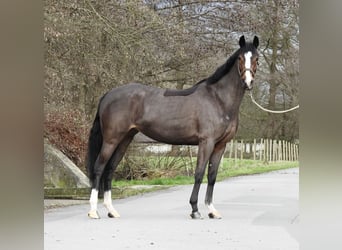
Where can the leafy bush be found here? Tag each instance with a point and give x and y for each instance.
(67, 131)
(137, 165)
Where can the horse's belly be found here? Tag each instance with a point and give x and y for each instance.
(171, 135)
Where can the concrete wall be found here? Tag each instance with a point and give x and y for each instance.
(60, 171)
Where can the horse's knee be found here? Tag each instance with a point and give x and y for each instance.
(199, 177)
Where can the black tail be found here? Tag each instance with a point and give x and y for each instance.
(94, 146)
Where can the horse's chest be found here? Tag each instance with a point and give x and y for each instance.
(230, 129)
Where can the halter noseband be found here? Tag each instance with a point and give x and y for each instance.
(245, 70)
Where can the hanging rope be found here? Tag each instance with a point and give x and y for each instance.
(272, 111)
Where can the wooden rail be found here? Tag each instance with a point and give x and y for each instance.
(267, 150)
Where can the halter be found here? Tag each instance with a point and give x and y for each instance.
(245, 70)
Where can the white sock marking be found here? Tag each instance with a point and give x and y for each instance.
(211, 208)
(93, 199)
(107, 202)
(107, 198)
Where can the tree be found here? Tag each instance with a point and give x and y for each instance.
(281, 69)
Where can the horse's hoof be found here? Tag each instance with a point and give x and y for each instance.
(113, 215)
(93, 215)
(214, 215)
(196, 215)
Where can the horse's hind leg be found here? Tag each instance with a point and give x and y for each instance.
(109, 171)
(100, 163)
(214, 162)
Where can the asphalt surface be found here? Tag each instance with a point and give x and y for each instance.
(259, 212)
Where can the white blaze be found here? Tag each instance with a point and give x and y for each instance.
(249, 78)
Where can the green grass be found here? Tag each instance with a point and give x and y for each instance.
(228, 168)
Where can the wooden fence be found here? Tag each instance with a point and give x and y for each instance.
(267, 150)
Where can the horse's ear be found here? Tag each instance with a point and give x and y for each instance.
(256, 42)
(242, 41)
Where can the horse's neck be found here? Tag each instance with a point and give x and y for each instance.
(229, 91)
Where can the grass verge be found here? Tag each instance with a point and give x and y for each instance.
(228, 168)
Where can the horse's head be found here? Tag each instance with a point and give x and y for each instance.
(248, 61)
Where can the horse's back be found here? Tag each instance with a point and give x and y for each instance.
(125, 94)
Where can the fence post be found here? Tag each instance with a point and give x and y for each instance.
(289, 148)
(231, 148)
(297, 152)
(261, 148)
(266, 150)
(191, 164)
(254, 148)
(274, 150)
(271, 151)
(242, 148)
(293, 152)
(235, 150)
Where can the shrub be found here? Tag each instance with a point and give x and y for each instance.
(68, 131)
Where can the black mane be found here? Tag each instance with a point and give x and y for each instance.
(216, 76)
(183, 92)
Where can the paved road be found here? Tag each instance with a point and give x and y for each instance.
(259, 212)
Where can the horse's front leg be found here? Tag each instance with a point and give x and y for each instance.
(205, 149)
(214, 163)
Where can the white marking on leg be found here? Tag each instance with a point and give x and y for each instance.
(107, 198)
(214, 212)
(93, 199)
(93, 204)
(249, 77)
(211, 208)
(107, 202)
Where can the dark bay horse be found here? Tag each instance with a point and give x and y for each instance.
(205, 115)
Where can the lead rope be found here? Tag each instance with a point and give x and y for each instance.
(272, 111)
